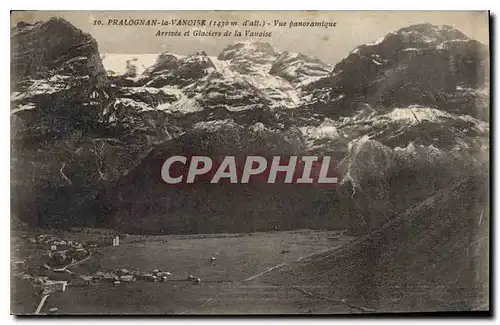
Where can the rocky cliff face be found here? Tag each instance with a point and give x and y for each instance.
(54, 62)
(54, 46)
(63, 149)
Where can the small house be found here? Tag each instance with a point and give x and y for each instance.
(116, 241)
(50, 286)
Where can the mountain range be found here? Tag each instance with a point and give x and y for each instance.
(403, 117)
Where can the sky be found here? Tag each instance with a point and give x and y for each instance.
(331, 45)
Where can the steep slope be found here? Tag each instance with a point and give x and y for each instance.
(142, 202)
(431, 257)
(430, 65)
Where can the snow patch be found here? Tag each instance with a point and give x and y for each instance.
(479, 125)
(54, 84)
(378, 41)
(415, 114)
(214, 125)
(326, 130)
(118, 62)
(259, 126)
(182, 105)
(130, 103)
(24, 107)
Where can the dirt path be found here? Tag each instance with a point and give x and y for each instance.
(40, 305)
(264, 272)
(253, 277)
(65, 268)
(77, 262)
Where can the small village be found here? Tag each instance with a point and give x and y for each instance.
(55, 275)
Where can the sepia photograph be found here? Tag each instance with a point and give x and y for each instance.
(249, 162)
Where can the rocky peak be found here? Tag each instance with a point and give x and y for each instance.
(248, 48)
(421, 64)
(39, 48)
(250, 56)
(57, 77)
(165, 61)
(429, 34)
(299, 69)
(405, 43)
(174, 70)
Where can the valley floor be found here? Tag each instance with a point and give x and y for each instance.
(230, 284)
